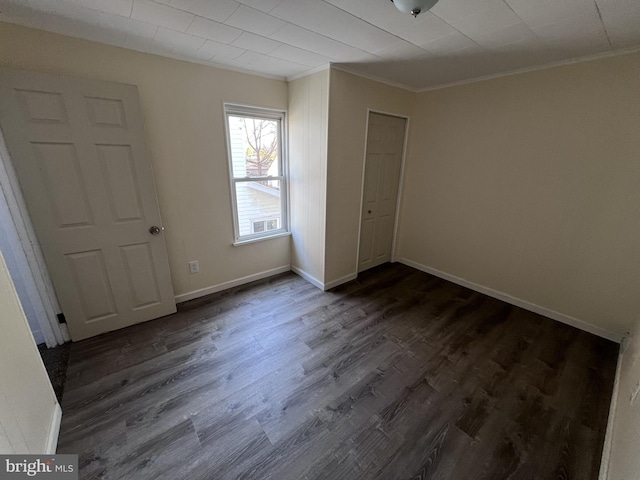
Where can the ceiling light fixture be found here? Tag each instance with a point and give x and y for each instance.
(414, 7)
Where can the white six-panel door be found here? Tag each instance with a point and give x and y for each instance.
(80, 153)
(385, 144)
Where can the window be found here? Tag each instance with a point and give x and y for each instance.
(257, 165)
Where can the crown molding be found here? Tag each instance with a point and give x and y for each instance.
(546, 66)
(308, 73)
(375, 78)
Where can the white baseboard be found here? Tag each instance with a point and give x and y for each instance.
(232, 283)
(323, 286)
(340, 281)
(560, 317)
(308, 277)
(608, 439)
(54, 430)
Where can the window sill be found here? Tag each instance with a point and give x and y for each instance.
(261, 239)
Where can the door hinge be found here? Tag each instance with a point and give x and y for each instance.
(61, 318)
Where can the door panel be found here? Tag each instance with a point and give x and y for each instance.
(141, 275)
(42, 107)
(106, 112)
(366, 244)
(390, 178)
(385, 143)
(384, 235)
(371, 186)
(121, 182)
(63, 183)
(95, 291)
(80, 152)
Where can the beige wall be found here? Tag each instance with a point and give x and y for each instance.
(530, 185)
(28, 406)
(351, 97)
(308, 116)
(527, 184)
(182, 108)
(624, 460)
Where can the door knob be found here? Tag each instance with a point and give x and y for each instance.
(369, 211)
(154, 230)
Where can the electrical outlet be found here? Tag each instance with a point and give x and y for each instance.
(194, 267)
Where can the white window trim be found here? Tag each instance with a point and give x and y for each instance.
(231, 109)
(262, 239)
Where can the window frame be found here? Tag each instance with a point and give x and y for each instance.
(236, 110)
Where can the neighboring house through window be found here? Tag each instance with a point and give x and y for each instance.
(265, 225)
(257, 164)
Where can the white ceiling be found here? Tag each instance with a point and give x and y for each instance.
(456, 41)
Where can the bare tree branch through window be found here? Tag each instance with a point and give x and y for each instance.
(262, 138)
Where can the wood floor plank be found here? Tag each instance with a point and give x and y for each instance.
(397, 374)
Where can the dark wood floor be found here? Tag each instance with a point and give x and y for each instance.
(397, 375)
